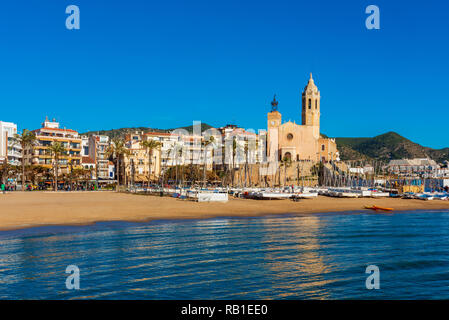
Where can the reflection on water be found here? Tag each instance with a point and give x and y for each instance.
(292, 257)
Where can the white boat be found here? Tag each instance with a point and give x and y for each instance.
(380, 194)
(306, 195)
(274, 195)
(208, 196)
(348, 195)
(423, 196)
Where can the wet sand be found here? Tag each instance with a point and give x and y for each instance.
(31, 209)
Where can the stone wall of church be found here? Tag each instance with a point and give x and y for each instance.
(299, 141)
(328, 149)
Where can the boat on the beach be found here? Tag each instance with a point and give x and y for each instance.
(376, 208)
(424, 196)
(266, 195)
(305, 195)
(208, 195)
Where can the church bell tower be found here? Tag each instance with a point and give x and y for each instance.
(311, 104)
(274, 117)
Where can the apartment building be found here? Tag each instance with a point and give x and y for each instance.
(10, 148)
(169, 143)
(50, 132)
(136, 165)
(98, 147)
(84, 146)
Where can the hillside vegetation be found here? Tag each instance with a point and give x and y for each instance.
(113, 133)
(387, 146)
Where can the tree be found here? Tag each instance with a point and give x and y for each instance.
(205, 144)
(286, 162)
(178, 153)
(36, 170)
(116, 150)
(26, 140)
(56, 150)
(150, 145)
(7, 171)
(237, 150)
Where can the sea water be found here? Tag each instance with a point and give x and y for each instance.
(317, 256)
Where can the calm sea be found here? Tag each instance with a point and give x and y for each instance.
(322, 256)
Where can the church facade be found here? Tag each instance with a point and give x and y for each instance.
(303, 142)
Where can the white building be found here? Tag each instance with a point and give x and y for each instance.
(84, 146)
(111, 170)
(419, 166)
(98, 147)
(168, 143)
(10, 149)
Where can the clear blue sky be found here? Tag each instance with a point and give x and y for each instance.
(164, 64)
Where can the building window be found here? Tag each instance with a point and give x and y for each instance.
(322, 147)
(316, 104)
(289, 136)
(310, 103)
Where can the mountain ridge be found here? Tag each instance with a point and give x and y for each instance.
(387, 146)
(121, 132)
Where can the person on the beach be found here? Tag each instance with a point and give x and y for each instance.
(3, 188)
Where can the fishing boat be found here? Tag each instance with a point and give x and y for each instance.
(376, 208)
(306, 195)
(424, 196)
(273, 195)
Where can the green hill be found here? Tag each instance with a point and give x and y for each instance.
(113, 133)
(387, 146)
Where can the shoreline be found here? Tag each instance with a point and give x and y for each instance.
(24, 210)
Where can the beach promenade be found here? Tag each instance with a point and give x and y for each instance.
(31, 209)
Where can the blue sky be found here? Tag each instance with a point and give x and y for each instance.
(164, 64)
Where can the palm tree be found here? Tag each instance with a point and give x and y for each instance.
(57, 149)
(116, 150)
(5, 171)
(178, 154)
(286, 162)
(150, 145)
(234, 152)
(206, 143)
(26, 140)
(248, 172)
(176, 151)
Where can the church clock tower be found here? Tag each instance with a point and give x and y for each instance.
(311, 104)
(274, 117)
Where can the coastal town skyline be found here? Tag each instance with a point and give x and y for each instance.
(218, 156)
(131, 71)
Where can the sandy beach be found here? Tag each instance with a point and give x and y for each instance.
(31, 209)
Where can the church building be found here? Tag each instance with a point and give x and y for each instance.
(296, 142)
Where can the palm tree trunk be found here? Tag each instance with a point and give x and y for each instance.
(23, 174)
(56, 173)
(149, 167)
(285, 175)
(118, 174)
(176, 169)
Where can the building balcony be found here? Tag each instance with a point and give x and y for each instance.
(14, 154)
